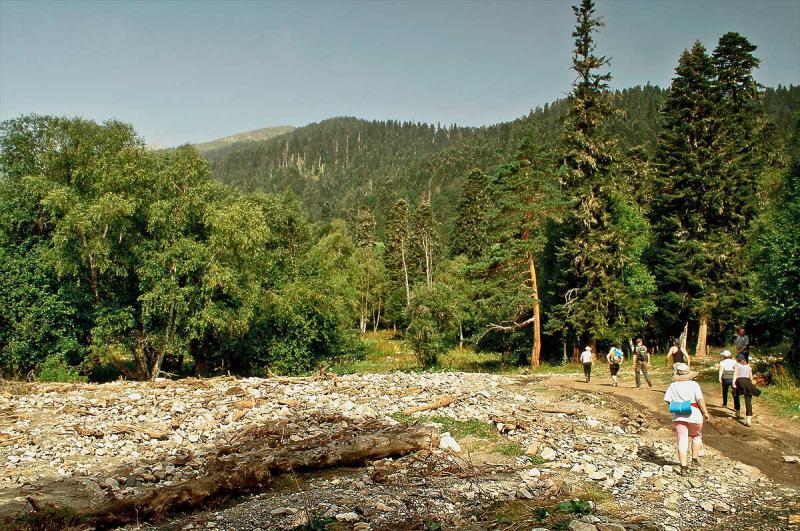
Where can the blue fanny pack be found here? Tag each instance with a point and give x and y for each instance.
(680, 408)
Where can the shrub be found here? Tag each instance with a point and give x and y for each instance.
(56, 369)
(432, 322)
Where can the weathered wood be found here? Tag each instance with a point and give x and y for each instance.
(442, 402)
(234, 474)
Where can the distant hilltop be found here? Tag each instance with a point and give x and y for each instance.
(257, 134)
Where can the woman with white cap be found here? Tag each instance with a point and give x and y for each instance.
(727, 367)
(586, 360)
(688, 409)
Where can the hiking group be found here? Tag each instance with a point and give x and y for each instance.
(684, 395)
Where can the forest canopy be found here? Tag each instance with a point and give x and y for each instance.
(596, 219)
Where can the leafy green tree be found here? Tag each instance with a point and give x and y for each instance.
(432, 322)
(398, 255)
(426, 232)
(775, 257)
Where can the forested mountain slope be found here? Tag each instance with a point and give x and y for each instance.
(342, 164)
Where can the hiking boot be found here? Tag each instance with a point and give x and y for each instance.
(747, 421)
(684, 470)
(738, 414)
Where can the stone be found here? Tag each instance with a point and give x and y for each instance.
(577, 525)
(619, 473)
(111, 482)
(279, 511)
(380, 506)
(348, 517)
(791, 459)
(447, 442)
(722, 508)
(794, 519)
(707, 506)
(607, 526)
(695, 483)
(548, 454)
(671, 501)
(598, 476)
(524, 494)
(534, 473)
(532, 449)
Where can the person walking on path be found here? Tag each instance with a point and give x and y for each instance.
(641, 363)
(614, 358)
(586, 359)
(743, 386)
(677, 354)
(688, 410)
(727, 368)
(742, 344)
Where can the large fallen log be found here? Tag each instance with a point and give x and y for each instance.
(233, 474)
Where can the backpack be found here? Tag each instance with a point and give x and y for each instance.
(616, 357)
(641, 354)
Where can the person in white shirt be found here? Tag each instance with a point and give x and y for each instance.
(587, 360)
(726, 370)
(689, 423)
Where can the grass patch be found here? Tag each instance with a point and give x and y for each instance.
(534, 514)
(457, 428)
(783, 396)
(510, 449)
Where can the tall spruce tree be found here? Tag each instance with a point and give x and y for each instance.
(689, 208)
(469, 236)
(606, 288)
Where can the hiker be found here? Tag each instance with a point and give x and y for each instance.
(743, 386)
(726, 370)
(641, 363)
(677, 354)
(742, 344)
(586, 359)
(688, 410)
(614, 358)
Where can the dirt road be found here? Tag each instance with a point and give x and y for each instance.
(763, 445)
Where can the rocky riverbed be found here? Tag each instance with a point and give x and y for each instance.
(521, 453)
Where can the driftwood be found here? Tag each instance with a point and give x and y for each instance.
(248, 471)
(444, 401)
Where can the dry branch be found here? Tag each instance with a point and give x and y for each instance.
(442, 402)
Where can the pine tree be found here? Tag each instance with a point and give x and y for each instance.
(606, 287)
(689, 208)
(469, 235)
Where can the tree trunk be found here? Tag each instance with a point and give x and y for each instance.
(251, 469)
(537, 336)
(163, 350)
(702, 336)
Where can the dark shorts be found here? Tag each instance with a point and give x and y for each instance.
(614, 368)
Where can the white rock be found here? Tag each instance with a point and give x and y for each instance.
(548, 454)
(348, 517)
(791, 459)
(447, 442)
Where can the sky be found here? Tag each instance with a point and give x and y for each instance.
(187, 71)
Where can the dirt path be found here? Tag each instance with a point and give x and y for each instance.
(762, 446)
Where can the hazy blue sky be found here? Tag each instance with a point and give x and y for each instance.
(191, 71)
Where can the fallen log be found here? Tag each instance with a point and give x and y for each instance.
(442, 402)
(234, 474)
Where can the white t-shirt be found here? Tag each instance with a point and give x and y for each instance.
(586, 356)
(727, 364)
(681, 392)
